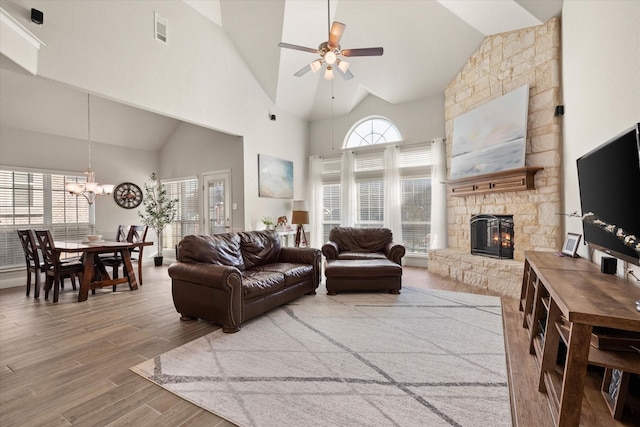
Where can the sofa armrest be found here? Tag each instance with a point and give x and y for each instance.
(395, 252)
(209, 275)
(330, 250)
(309, 256)
(297, 255)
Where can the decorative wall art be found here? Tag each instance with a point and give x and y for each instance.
(492, 137)
(275, 177)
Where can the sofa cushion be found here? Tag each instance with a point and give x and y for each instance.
(361, 255)
(259, 248)
(293, 273)
(360, 239)
(256, 283)
(220, 249)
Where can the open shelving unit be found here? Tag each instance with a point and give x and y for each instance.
(563, 299)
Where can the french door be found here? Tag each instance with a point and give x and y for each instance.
(217, 202)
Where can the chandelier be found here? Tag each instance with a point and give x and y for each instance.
(90, 189)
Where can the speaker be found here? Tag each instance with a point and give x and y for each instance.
(272, 117)
(37, 17)
(609, 265)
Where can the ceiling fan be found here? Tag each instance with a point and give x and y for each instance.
(330, 53)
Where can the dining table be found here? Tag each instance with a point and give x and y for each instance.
(95, 275)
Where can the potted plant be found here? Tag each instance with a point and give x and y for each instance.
(159, 210)
(268, 222)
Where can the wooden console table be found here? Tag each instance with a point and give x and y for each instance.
(563, 298)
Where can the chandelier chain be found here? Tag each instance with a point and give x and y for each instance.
(89, 127)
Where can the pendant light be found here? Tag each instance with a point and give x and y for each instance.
(90, 189)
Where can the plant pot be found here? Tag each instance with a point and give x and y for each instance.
(157, 261)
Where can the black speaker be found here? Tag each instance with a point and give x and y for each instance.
(272, 117)
(37, 17)
(609, 265)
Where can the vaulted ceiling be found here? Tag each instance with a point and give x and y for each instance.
(426, 43)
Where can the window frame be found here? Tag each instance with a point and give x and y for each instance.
(376, 138)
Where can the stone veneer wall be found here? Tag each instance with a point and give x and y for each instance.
(505, 62)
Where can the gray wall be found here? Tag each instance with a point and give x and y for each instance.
(193, 150)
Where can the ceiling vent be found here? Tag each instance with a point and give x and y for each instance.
(160, 27)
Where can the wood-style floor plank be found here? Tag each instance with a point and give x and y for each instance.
(68, 363)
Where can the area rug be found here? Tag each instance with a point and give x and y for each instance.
(421, 358)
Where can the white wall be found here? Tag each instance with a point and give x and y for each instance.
(108, 48)
(418, 121)
(601, 85)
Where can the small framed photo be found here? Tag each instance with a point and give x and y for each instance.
(570, 246)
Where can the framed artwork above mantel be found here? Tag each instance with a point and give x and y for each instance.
(491, 138)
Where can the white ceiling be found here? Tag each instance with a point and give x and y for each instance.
(426, 43)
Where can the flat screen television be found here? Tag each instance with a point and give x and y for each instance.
(609, 180)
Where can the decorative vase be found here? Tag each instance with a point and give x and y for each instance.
(157, 261)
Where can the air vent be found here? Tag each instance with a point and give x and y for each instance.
(160, 27)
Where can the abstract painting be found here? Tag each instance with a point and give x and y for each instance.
(492, 137)
(275, 177)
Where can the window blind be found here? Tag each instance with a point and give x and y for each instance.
(187, 218)
(38, 200)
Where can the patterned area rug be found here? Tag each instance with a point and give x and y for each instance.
(421, 358)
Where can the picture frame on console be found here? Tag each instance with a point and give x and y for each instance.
(571, 243)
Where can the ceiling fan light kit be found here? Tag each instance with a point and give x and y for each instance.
(330, 52)
(316, 65)
(328, 74)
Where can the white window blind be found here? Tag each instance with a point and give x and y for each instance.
(415, 164)
(187, 218)
(369, 173)
(331, 196)
(37, 200)
(416, 214)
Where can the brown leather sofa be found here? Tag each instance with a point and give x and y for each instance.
(362, 259)
(230, 278)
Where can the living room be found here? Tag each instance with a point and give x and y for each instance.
(599, 89)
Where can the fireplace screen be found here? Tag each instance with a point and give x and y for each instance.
(492, 235)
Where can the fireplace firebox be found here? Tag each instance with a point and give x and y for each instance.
(492, 236)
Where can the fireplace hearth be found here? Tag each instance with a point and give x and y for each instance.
(492, 236)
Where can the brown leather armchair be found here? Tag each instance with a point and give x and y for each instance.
(362, 243)
(362, 259)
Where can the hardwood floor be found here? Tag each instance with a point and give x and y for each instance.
(68, 363)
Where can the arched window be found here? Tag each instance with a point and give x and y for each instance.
(371, 131)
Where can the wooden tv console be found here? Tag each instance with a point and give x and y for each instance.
(563, 298)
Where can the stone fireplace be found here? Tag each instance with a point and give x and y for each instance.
(492, 236)
(502, 63)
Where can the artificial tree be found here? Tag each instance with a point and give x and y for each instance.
(159, 210)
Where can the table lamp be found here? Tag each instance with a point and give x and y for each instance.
(300, 217)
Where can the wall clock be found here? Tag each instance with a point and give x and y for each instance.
(127, 195)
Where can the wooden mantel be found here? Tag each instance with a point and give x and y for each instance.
(510, 180)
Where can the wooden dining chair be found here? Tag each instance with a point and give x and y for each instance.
(55, 269)
(114, 260)
(136, 234)
(32, 258)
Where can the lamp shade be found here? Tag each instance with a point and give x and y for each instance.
(328, 74)
(300, 212)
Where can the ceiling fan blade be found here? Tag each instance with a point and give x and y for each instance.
(347, 75)
(303, 71)
(367, 51)
(296, 47)
(335, 34)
